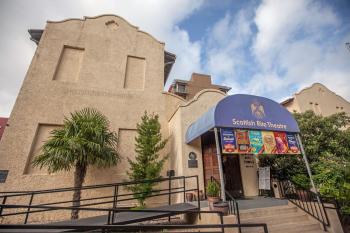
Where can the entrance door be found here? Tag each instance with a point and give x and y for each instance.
(232, 175)
(210, 163)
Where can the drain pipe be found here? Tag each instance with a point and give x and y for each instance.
(221, 173)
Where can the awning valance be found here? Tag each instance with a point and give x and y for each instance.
(244, 112)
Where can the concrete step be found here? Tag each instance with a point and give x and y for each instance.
(287, 231)
(278, 218)
(252, 213)
(301, 226)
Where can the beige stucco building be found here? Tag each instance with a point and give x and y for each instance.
(319, 99)
(108, 64)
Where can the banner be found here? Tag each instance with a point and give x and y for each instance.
(292, 144)
(281, 142)
(243, 141)
(269, 142)
(256, 142)
(228, 141)
(264, 178)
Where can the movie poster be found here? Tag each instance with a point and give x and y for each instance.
(242, 137)
(228, 141)
(293, 147)
(281, 142)
(256, 142)
(269, 142)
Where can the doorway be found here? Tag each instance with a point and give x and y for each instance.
(231, 166)
(232, 175)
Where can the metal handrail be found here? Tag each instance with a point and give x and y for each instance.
(111, 226)
(307, 200)
(126, 183)
(134, 228)
(233, 204)
(112, 199)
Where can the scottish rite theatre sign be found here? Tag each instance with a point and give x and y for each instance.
(257, 126)
(254, 112)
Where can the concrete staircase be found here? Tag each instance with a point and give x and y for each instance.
(280, 219)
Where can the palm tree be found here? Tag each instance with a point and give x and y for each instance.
(84, 140)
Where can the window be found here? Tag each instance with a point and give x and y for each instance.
(181, 88)
(3, 175)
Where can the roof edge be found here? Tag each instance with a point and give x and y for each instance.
(104, 15)
(312, 85)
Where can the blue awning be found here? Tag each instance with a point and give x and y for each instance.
(244, 112)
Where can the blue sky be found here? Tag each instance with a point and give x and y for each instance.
(272, 48)
(309, 38)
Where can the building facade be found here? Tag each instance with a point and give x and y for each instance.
(319, 99)
(101, 62)
(108, 64)
(188, 89)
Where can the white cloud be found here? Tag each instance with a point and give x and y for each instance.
(295, 44)
(224, 47)
(301, 42)
(159, 18)
(280, 22)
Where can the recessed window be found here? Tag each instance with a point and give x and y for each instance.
(181, 88)
(3, 175)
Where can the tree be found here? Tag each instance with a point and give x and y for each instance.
(332, 175)
(84, 140)
(321, 135)
(147, 164)
(326, 142)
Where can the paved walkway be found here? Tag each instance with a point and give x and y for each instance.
(254, 202)
(260, 202)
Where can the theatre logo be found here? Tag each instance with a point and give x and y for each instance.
(257, 109)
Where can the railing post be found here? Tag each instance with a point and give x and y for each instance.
(169, 195)
(115, 200)
(238, 217)
(325, 213)
(109, 218)
(169, 189)
(184, 185)
(198, 199)
(222, 222)
(265, 229)
(30, 204)
(3, 202)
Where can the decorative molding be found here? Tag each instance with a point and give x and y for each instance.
(314, 84)
(104, 15)
(195, 98)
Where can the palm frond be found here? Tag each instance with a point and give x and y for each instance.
(85, 138)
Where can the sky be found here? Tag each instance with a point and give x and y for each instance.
(271, 48)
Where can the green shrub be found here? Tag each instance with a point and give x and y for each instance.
(301, 181)
(213, 189)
